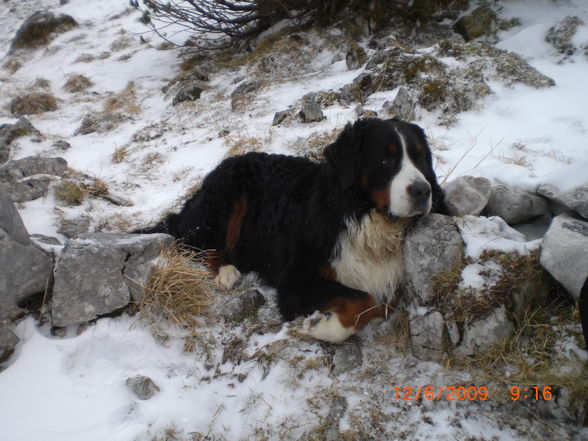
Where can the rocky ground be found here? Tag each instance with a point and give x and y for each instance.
(107, 127)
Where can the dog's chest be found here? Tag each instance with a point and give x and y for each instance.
(369, 257)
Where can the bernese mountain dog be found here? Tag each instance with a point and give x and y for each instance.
(327, 235)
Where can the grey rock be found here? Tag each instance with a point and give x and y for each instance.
(355, 57)
(332, 422)
(27, 189)
(143, 387)
(362, 86)
(433, 246)
(481, 21)
(515, 205)
(481, 335)
(348, 356)
(36, 30)
(243, 94)
(577, 200)
(311, 112)
(244, 305)
(564, 250)
(8, 342)
(553, 196)
(25, 269)
(428, 335)
(187, 93)
(61, 145)
(283, 115)
(9, 132)
(72, 227)
(32, 165)
(362, 112)
(467, 195)
(45, 240)
(98, 273)
(100, 122)
(402, 106)
(560, 36)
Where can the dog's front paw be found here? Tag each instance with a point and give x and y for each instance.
(325, 326)
(227, 277)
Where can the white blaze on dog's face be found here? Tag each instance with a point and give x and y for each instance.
(410, 193)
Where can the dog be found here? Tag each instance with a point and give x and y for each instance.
(327, 235)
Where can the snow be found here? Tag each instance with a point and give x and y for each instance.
(73, 388)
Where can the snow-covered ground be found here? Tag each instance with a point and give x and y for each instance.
(73, 388)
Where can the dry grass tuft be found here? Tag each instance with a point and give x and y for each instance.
(125, 101)
(33, 103)
(239, 145)
(179, 290)
(12, 65)
(119, 154)
(77, 83)
(70, 193)
(313, 146)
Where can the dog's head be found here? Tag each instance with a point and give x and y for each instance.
(389, 161)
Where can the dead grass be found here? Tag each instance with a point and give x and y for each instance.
(77, 83)
(179, 289)
(241, 144)
(125, 101)
(70, 193)
(119, 154)
(33, 103)
(12, 65)
(313, 146)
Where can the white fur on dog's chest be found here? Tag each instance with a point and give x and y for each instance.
(369, 257)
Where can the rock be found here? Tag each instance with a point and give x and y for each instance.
(355, 57)
(73, 227)
(552, 194)
(243, 94)
(481, 335)
(481, 21)
(36, 30)
(27, 189)
(9, 132)
(143, 387)
(41, 239)
(467, 195)
(8, 342)
(311, 112)
(333, 420)
(560, 36)
(33, 103)
(564, 250)
(61, 145)
(32, 165)
(348, 356)
(100, 122)
(577, 200)
(114, 267)
(428, 335)
(25, 269)
(283, 115)
(187, 93)
(244, 305)
(433, 246)
(515, 205)
(402, 106)
(362, 112)
(362, 86)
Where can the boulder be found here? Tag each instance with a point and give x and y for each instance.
(433, 246)
(99, 273)
(577, 200)
(36, 30)
(25, 269)
(283, 115)
(8, 342)
(243, 94)
(27, 189)
(100, 122)
(428, 334)
(402, 106)
(515, 205)
(143, 387)
(32, 165)
(564, 250)
(467, 195)
(9, 132)
(481, 21)
(187, 93)
(481, 335)
(561, 35)
(72, 227)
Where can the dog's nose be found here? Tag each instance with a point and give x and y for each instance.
(419, 191)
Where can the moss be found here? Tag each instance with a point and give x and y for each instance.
(482, 21)
(433, 94)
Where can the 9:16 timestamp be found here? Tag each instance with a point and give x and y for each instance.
(531, 393)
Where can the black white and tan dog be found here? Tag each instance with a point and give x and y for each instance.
(328, 235)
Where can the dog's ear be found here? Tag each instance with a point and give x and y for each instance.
(343, 155)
